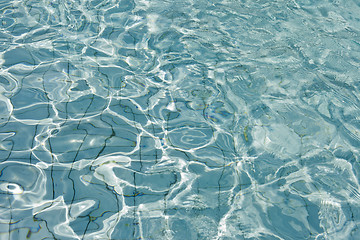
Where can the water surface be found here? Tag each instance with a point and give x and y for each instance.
(138, 119)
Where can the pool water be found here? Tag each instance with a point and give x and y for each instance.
(169, 119)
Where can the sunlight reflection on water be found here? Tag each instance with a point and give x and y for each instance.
(140, 119)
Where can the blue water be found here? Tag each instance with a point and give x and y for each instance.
(139, 119)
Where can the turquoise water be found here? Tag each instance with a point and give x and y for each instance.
(139, 119)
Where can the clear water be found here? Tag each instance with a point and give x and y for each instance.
(138, 119)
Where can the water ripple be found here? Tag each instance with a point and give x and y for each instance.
(139, 119)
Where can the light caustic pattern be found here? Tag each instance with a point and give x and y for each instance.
(138, 119)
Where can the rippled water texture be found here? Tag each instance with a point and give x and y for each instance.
(206, 119)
